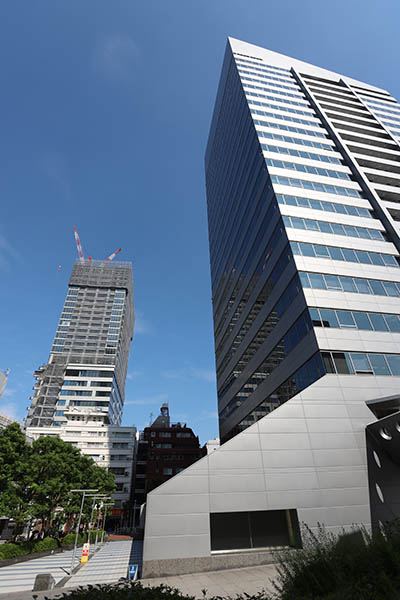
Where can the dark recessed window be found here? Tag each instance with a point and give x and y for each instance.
(255, 529)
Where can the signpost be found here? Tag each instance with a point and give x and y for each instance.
(85, 553)
(133, 572)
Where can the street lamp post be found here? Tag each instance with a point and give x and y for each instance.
(103, 498)
(96, 497)
(104, 519)
(84, 493)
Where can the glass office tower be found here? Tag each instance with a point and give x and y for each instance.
(84, 378)
(303, 193)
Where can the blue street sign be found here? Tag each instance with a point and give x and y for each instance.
(133, 572)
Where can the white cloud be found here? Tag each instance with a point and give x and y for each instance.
(208, 414)
(134, 374)
(142, 325)
(190, 373)
(54, 166)
(147, 400)
(8, 254)
(9, 392)
(116, 58)
(9, 410)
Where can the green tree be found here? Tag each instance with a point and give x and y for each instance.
(57, 467)
(15, 475)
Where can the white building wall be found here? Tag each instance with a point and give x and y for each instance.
(102, 444)
(309, 454)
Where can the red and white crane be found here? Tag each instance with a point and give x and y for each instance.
(80, 251)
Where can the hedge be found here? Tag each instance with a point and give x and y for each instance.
(11, 550)
(129, 591)
(14, 550)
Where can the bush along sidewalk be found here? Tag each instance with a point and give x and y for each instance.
(129, 591)
(352, 566)
(18, 549)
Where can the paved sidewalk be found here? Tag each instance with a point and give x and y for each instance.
(249, 580)
(22, 575)
(108, 565)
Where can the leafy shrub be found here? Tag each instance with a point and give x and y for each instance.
(44, 545)
(70, 539)
(10, 551)
(93, 535)
(128, 591)
(354, 566)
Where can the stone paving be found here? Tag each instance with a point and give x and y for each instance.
(111, 562)
(108, 565)
(249, 580)
(21, 576)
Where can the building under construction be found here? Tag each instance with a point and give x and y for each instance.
(84, 378)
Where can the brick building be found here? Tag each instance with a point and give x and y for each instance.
(164, 449)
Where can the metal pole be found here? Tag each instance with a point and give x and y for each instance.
(104, 521)
(97, 531)
(91, 518)
(77, 533)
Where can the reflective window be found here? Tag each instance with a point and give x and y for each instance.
(379, 364)
(360, 362)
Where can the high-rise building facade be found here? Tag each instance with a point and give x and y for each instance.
(303, 196)
(80, 392)
(303, 191)
(86, 371)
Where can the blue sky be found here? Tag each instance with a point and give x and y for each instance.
(105, 110)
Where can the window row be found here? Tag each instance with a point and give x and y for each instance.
(347, 319)
(275, 99)
(306, 113)
(301, 154)
(318, 187)
(374, 101)
(278, 85)
(355, 285)
(343, 209)
(75, 393)
(335, 228)
(260, 63)
(344, 254)
(270, 321)
(87, 373)
(264, 89)
(383, 115)
(361, 363)
(312, 370)
(266, 113)
(281, 164)
(289, 341)
(282, 72)
(392, 126)
(104, 404)
(293, 140)
(289, 128)
(78, 382)
(269, 76)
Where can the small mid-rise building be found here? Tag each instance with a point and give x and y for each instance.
(164, 449)
(110, 446)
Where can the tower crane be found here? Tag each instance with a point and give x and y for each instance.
(80, 251)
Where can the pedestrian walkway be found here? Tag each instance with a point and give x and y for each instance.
(108, 565)
(22, 576)
(249, 580)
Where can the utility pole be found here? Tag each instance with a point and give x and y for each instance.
(84, 493)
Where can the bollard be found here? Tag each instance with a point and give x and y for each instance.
(44, 581)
